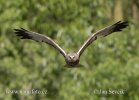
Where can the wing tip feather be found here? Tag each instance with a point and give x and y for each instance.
(120, 25)
(22, 33)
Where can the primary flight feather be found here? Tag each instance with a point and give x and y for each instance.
(72, 59)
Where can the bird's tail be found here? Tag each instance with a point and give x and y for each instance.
(76, 66)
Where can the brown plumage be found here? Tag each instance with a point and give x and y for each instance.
(72, 59)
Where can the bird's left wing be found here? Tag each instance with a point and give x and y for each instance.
(25, 34)
(104, 32)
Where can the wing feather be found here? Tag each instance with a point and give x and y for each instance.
(117, 27)
(25, 34)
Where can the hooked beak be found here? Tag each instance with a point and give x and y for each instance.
(71, 57)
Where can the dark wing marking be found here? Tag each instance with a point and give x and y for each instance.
(25, 34)
(104, 32)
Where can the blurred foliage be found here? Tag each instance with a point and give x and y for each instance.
(109, 63)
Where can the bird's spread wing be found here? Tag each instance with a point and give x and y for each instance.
(25, 34)
(104, 32)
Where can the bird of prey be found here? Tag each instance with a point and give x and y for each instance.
(72, 59)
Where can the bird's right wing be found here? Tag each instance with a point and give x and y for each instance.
(25, 34)
(104, 32)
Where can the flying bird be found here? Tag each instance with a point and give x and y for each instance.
(72, 59)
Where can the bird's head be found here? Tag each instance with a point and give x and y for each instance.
(72, 57)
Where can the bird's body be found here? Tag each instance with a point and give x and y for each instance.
(72, 59)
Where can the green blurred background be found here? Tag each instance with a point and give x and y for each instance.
(109, 63)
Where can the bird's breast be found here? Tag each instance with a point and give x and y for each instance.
(72, 63)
